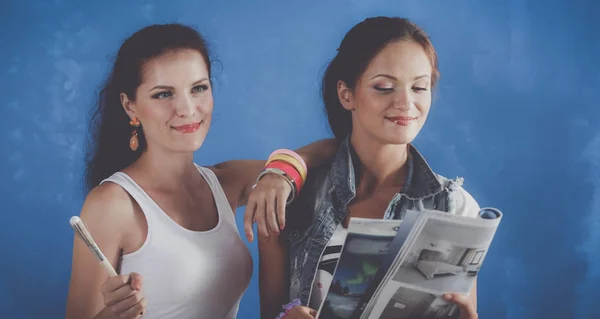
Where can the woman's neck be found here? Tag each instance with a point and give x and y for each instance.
(165, 169)
(383, 165)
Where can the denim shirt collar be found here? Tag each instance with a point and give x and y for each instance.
(421, 181)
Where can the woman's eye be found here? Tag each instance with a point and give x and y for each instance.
(200, 88)
(162, 95)
(383, 89)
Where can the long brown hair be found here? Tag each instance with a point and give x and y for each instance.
(108, 146)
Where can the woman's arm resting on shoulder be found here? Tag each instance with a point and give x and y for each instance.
(266, 204)
(238, 176)
(273, 275)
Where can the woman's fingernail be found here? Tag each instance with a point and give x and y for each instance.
(448, 296)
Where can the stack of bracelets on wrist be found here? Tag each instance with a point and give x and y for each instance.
(289, 165)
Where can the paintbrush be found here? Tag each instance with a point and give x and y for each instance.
(84, 234)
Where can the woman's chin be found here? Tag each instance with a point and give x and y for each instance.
(399, 139)
(186, 146)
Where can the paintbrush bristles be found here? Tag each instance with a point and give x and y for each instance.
(82, 232)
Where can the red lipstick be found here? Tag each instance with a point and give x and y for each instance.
(402, 120)
(188, 128)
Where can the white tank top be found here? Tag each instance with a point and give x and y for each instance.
(188, 274)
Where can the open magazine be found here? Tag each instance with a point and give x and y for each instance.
(401, 268)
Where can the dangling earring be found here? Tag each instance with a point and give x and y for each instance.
(133, 141)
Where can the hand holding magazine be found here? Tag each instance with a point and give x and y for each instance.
(401, 268)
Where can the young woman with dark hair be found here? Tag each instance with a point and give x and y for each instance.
(377, 93)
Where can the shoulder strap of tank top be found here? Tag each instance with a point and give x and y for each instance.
(218, 194)
(136, 191)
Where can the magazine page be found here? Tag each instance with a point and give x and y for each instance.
(444, 254)
(365, 246)
(394, 251)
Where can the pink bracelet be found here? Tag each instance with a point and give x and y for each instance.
(292, 154)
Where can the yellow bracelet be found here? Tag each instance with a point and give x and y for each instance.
(290, 160)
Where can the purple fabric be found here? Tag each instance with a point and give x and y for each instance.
(288, 307)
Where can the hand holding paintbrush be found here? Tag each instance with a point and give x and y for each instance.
(122, 293)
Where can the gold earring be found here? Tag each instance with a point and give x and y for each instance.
(134, 143)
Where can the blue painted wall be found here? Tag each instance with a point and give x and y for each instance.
(516, 114)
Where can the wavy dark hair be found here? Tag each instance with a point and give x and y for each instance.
(109, 129)
(358, 48)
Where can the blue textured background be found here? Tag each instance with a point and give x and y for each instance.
(516, 114)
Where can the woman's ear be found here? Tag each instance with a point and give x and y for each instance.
(128, 105)
(345, 95)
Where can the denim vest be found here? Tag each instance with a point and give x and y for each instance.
(322, 205)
